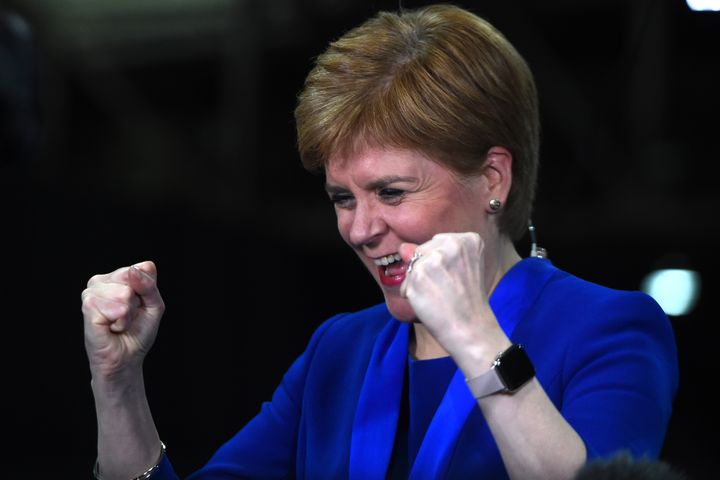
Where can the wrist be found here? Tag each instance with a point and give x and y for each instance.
(129, 372)
(118, 388)
(146, 475)
(478, 354)
(510, 371)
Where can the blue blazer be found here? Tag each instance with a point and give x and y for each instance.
(606, 358)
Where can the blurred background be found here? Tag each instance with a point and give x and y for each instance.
(163, 130)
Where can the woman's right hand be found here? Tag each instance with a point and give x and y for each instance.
(122, 312)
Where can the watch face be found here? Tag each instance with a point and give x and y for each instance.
(515, 368)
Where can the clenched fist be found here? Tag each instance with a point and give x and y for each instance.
(122, 312)
(448, 289)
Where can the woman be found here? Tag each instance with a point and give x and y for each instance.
(479, 363)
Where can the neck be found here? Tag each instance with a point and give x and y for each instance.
(423, 345)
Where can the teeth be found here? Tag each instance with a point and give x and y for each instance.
(388, 259)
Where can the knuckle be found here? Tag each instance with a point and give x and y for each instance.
(125, 294)
(124, 310)
(434, 259)
(472, 237)
(451, 246)
(473, 240)
(114, 311)
(86, 298)
(478, 240)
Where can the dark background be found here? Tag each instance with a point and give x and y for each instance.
(163, 130)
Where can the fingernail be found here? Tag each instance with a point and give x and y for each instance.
(140, 272)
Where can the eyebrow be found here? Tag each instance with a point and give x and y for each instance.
(373, 185)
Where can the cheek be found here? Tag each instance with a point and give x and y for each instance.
(457, 216)
(417, 225)
(343, 226)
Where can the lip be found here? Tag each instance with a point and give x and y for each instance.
(395, 279)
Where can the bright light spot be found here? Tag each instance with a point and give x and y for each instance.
(704, 5)
(676, 290)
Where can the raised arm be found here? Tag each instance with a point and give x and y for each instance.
(122, 312)
(448, 291)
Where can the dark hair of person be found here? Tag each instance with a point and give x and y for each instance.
(624, 467)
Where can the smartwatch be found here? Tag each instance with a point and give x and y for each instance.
(511, 370)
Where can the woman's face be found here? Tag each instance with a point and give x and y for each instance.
(385, 197)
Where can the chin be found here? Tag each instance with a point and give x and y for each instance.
(400, 308)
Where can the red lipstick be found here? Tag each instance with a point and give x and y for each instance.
(392, 275)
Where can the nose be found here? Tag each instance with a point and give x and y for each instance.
(367, 225)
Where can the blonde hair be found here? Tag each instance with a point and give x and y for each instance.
(438, 79)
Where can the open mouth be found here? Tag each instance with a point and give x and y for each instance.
(387, 259)
(391, 269)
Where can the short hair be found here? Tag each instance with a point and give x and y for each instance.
(438, 79)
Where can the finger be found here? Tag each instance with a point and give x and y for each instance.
(143, 279)
(115, 292)
(406, 251)
(441, 241)
(472, 240)
(118, 276)
(148, 267)
(106, 312)
(450, 245)
(404, 287)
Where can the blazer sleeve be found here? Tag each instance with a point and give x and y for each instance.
(621, 376)
(265, 448)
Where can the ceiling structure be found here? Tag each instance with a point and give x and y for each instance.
(626, 91)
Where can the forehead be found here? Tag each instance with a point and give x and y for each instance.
(374, 161)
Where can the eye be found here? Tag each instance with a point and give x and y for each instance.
(342, 200)
(391, 195)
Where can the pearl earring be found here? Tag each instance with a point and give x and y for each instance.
(495, 205)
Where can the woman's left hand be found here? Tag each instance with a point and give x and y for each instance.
(447, 290)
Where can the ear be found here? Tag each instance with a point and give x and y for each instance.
(498, 173)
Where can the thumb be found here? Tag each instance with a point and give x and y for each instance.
(406, 251)
(143, 280)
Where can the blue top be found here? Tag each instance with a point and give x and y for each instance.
(424, 388)
(606, 358)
